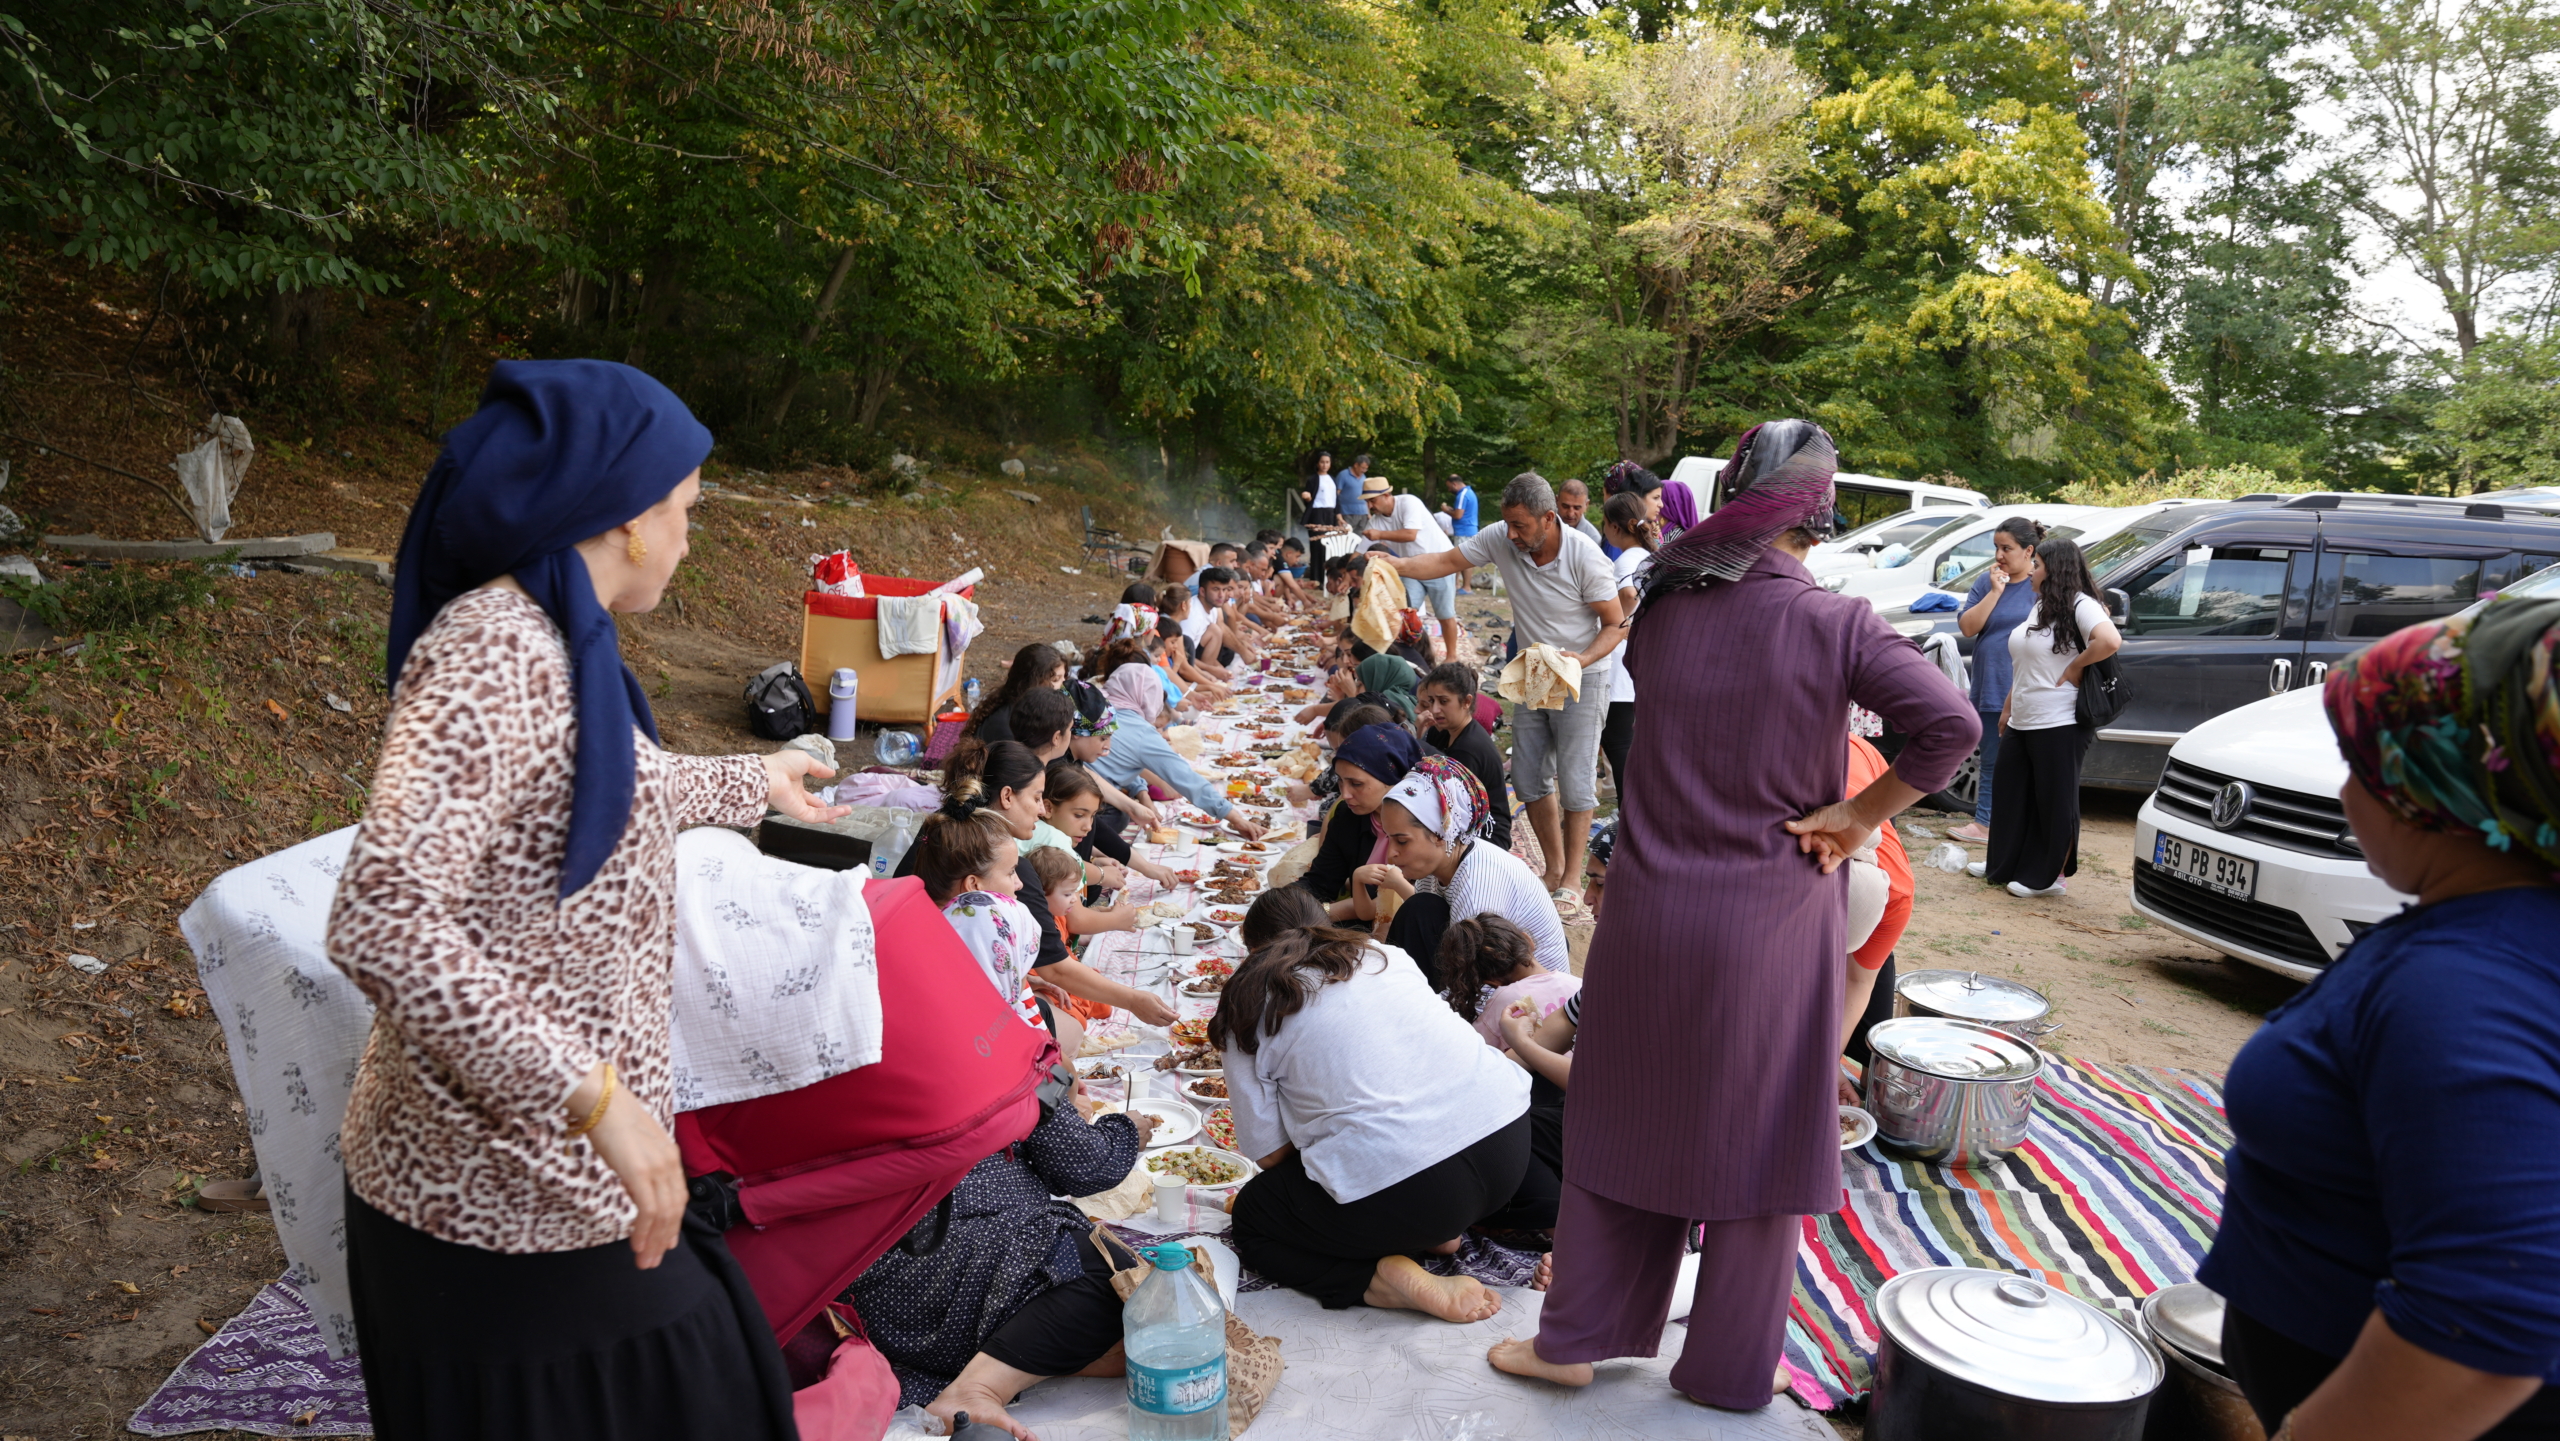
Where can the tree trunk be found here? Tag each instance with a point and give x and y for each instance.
(794, 371)
(658, 296)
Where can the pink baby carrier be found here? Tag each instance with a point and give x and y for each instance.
(831, 1175)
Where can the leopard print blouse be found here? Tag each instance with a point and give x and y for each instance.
(493, 998)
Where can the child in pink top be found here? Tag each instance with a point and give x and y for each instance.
(1486, 964)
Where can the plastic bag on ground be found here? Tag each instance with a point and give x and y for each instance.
(1949, 857)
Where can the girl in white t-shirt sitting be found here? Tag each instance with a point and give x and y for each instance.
(2035, 785)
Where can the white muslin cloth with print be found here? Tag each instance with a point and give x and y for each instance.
(296, 1027)
(910, 625)
(777, 974)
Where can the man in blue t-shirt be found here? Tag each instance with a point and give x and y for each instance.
(1461, 511)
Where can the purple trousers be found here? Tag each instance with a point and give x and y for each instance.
(1611, 1296)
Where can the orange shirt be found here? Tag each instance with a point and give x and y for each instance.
(1866, 763)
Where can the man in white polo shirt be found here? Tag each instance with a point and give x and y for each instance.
(1408, 527)
(1564, 593)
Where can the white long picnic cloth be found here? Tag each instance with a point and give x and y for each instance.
(1541, 678)
(910, 625)
(296, 1028)
(777, 979)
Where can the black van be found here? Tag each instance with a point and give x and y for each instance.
(2225, 604)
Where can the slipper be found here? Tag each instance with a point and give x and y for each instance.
(1972, 834)
(233, 1195)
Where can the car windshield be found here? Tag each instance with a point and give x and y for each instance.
(1963, 579)
(1876, 534)
(2125, 544)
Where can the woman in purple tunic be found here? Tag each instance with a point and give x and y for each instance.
(1705, 1072)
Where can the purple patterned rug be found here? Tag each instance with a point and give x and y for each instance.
(266, 1371)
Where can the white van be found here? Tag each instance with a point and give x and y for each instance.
(1862, 500)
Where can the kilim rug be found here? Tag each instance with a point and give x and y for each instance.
(2116, 1193)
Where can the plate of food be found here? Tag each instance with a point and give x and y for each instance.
(1194, 1061)
(1204, 988)
(1218, 966)
(1208, 1090)
(1202, 1166)
(1102, 1071)
(1218, 1128)
(1856, 1128)
(1189, 1033)
(1175, 1122)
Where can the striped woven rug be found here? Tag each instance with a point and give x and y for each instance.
(2116, 1194)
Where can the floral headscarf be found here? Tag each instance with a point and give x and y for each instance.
(1778, 479)
(2455, 724)
(1129, 618)
(1444, 797)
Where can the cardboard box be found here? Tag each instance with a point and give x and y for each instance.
(838, 631)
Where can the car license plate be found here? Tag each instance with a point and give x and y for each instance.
(2214, 870)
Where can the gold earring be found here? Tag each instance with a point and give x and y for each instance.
(638, 549)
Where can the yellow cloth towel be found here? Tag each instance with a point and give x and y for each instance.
(1541, 678)
(1381, 612)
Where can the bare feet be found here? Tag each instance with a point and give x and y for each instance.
(1779, 1383)
(1546, 1273)
(1402, 1285)
(980, 1403)
(1521, 1358)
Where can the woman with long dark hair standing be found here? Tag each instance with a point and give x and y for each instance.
(2035, 816)
(516, 1233)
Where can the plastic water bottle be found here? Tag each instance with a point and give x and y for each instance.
(969, 690)
(1177, 1336)
(898, 748)
(843, 690)
(891, 848)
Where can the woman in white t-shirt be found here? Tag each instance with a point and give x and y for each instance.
(1627, 519)
(1384, 1126)
(2035, 791)
(1318, 495)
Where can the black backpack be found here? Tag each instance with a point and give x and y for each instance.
(779, 705)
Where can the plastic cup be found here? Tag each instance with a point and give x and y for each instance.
(1173, 1197)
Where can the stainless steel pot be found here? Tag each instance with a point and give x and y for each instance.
(1973, 1355)
(1955, 1092)
(2019, 1009)
(2201, 1402)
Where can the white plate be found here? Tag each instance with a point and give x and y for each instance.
(1203, 914)
(1175, 1122)
(1188, 1094)
(1250, 1169)
(1866, 1128)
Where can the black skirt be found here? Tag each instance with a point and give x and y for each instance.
(461, 1344)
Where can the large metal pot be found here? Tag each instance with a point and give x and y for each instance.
(2019, 1009)
(1973, 1355)
(2201, 1401)
(1955, 1092)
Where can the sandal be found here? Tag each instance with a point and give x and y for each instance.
(233, 1195)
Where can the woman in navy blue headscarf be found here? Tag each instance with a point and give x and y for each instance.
(515, 1221)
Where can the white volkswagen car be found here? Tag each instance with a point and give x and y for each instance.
(2244, 846)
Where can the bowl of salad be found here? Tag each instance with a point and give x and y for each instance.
(1205, 1167)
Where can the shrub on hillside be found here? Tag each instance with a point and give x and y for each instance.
(117, 598)
(2219, 482)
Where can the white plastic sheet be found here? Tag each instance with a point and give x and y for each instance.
(211, 473)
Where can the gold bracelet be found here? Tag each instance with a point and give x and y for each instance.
(602, 1101)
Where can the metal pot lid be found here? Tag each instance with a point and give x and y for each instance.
(2189, 1317)
(2015, 1336)
(1973, 996)
(1956, 1050)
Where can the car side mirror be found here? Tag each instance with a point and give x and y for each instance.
(2119, 606)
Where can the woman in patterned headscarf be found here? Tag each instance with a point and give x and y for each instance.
(1438, 866)
(2389, 1248)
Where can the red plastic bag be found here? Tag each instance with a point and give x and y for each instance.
(836, 574)
(857, 1396)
